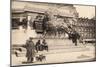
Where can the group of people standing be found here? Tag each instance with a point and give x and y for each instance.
(31, 48)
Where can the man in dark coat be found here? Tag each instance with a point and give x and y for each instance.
(37, 46)
(75, 36)
(30, 50)
(44, 44)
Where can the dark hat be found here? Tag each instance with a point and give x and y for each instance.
(30, 37)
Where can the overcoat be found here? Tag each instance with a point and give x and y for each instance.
(30, 49)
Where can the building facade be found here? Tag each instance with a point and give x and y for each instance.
(86, 28)
(31, 17)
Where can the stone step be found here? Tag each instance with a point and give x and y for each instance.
(20, 36)
(50, 41)
(51, 47)
(56, 48)
(53, 51)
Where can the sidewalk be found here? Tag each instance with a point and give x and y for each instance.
(85, 53)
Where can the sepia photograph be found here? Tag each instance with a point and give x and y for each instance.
(52, 33)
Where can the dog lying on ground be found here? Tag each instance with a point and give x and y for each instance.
(40, 58)
(17, 51)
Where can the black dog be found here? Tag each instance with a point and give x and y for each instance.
(40, 58)
(16, 53)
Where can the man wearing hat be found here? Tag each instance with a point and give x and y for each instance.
(30, 50)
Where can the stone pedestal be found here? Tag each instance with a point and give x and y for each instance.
(30, 32)
(28, 23)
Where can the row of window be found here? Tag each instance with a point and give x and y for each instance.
(90, 35)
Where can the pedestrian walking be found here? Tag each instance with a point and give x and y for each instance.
(75, 37)
(30, 50)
